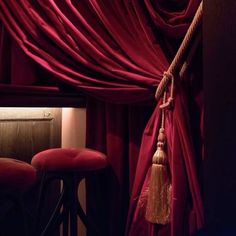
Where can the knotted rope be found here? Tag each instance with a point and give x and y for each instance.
(181, 51)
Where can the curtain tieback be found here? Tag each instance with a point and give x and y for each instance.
(159, 194)
(167, 76)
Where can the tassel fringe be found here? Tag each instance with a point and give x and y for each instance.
(159, 196)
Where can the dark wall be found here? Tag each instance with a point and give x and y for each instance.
(219, 59)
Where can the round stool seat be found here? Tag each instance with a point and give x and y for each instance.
(15, 175)
(67, 159)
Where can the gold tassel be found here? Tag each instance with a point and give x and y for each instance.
(158, 202)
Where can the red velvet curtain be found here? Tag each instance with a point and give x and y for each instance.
(20, 74)
(116, 52)
(184, 141)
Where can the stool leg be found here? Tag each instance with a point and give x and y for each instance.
(38, 204)
(54, 219)
(65, 223)
(84, 218)
(65, 212)
(88, 224)
(73, 211)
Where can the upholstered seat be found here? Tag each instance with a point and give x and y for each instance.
(68, 159)
(15, 175)
(70, 166)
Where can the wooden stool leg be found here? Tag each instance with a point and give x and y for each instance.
(36, 224)
(84, 218)
(65, 222)
(54, 219)
(57, 217)
(73, 201)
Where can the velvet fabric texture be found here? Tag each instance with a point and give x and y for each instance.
(111, 50)
(81, 159)
(115, 52)
(15, 175)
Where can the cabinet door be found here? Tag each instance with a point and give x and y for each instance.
(26, 131)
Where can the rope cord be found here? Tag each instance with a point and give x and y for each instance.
(191, 53)
(178, 57)
(170, 100)
(163, 112)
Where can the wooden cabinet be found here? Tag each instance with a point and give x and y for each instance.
(26, 131)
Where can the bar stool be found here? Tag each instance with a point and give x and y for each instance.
(70, 165)
(15, 178)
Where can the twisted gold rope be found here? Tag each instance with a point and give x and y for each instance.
(183, 46)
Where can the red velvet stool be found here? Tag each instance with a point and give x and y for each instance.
(15, 178)
(70, 165)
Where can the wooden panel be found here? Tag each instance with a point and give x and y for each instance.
(219, 51)
(26, 131)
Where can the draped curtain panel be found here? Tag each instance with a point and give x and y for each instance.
(116, 52)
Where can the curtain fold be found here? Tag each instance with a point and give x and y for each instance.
(116, 52)
(116, 130)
